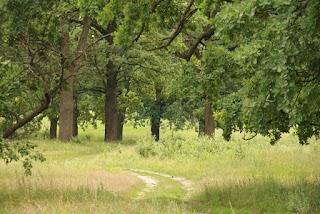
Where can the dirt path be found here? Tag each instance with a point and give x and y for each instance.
(152, 182)
(185, 182)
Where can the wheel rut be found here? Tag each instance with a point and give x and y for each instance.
(151, 181)
(150, 184)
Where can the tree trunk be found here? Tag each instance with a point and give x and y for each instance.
(208, 120)
(66, 111)
(66, 130)
(121, 117)
(53, 127)
(157, 115)
(155, 128)
(111, 105)
(75, 117)
(111, 117)
(201, 126)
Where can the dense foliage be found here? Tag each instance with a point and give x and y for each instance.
(253, 64)
(278, 59)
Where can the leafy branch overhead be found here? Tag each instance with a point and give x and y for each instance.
(24, 152)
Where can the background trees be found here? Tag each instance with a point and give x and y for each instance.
(254, 64)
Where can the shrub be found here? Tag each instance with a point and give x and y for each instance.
(197, 147)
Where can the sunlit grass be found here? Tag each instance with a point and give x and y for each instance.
(77, 178)
(88, 175)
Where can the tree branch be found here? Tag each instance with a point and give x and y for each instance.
(209, 31)
(153, 10)
(187, 14)
(43, 106)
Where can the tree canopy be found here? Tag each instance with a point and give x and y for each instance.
(250, 65)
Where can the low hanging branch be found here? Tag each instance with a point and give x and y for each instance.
(47, 97)
(249, 138)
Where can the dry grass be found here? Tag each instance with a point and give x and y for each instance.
(114, 182)
(93, 177)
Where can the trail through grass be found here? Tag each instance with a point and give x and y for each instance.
(89, 176)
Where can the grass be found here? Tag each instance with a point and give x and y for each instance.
(89, 176)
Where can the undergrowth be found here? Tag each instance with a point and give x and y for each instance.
(229, 177)
(202, 147)
(264, 195)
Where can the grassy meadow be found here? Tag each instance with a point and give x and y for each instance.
(87, 175)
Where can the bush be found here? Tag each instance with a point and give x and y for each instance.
(198, 147)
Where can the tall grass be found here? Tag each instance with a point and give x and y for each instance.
(262, 195)
(90, 176)
(245, 176)
(80, 178)
(32, 199)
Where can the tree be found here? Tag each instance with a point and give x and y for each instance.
(279, 62)
(31, 68)
(192, 28)
(120, 24)
(71, 67)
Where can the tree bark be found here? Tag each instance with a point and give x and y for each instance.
(66, 111)
(208, 120)
(111, 133)
(66, 130)
(121, 117)
(75, 117)
(111, 105)
(53, 127)
(111, 117)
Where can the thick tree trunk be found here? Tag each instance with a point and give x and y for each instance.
(66, 96)
(111, 105)
(53, 127)
(66, 130)
(111, 117)
(66, 111)
(111, 131)
(208, 120)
